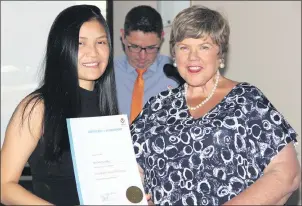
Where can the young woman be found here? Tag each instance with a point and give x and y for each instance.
(78, 82)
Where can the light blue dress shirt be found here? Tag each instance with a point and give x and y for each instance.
(155, 81)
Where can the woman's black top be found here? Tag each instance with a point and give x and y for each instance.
(56, 182)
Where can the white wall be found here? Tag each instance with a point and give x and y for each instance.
(265, 50)
(24, 30)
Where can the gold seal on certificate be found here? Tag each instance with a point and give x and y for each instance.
(134, 194)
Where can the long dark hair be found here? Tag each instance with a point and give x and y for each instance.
(59, 88)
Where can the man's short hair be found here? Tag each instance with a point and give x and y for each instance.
(143, 18)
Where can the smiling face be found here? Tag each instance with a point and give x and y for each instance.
(197, 60)
(142, 59)
(93, 53)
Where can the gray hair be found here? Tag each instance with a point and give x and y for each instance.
(198, 22)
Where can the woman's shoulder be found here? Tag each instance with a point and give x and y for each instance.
(159, 102)
(32, 104)
(248, 97)
(249, 91)
(33, 100)
(162, 98)
(257, 104)
(28, 117)
(169, 93)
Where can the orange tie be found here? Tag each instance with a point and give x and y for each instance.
(137, 95)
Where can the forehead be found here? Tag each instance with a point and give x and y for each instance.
(201, 40)
(143, 39)
(92, 26)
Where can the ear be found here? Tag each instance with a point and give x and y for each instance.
(221, 63)
(122, 32)
(162, 34)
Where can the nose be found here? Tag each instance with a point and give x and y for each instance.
(142, 54)
(193, 55)
(92, 51)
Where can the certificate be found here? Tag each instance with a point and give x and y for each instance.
(104, 161)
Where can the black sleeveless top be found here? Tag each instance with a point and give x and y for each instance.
(56, 183)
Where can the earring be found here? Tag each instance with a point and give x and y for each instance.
(221, 65)
(174, 63)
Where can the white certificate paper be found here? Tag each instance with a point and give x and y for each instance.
(104, 162)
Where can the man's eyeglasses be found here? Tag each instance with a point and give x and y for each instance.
(137, 49)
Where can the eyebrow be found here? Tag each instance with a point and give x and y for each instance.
(100, 37)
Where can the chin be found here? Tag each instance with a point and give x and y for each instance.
(98, 74)
(92, 77)
(195, 83)
(145, 65)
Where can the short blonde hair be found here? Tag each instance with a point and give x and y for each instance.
(198, 22)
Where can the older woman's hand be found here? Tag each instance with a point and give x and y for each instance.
(148, 196)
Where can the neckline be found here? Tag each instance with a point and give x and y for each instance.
(88, 93)
(152, 68)
(215, 107)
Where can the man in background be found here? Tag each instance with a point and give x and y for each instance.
(139, 73)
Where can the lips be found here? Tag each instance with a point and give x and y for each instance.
(91, 64)
(194, 69)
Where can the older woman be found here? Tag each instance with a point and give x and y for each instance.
(212, 140)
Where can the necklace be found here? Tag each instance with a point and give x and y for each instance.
(207, 99)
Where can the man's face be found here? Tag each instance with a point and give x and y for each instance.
(137, 57)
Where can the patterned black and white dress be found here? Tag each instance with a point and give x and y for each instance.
(209, 160)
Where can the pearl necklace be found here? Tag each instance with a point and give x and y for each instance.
(207, 99)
